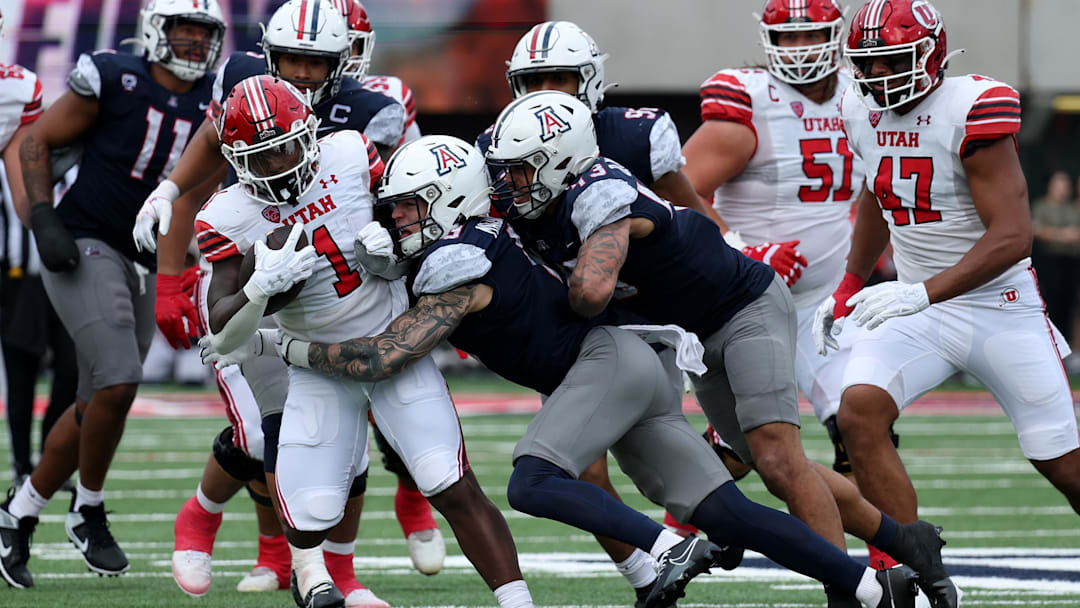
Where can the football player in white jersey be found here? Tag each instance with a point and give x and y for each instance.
(285, 177)
(946, 188)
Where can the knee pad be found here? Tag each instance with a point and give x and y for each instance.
(529, 472)
(841, 463)
(359, 485)
(894, 437)
(259, 499)
(271, 427)
(391, 460)
(234, 461)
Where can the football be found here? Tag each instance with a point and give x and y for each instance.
(275, 239)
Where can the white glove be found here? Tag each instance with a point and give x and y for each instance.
(874, 305)
(262, 343)
(825, 328)
(156, 209)
(374, 249)
(277, 270)
(293, 350)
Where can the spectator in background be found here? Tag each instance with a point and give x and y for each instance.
(1056, 222)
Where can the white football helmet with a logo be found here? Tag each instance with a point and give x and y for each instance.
(161, 15)
(309, 27)
(559, 46)
(444, 172)
(547, 133)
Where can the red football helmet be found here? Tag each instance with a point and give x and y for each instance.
(267, 133)
(361, 38)
(801, 64)
(910, 36)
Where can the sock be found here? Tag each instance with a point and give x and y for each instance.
(542, 489)
(412, 510)
(884, 537)
(210, 506)
(87, 498)
(340, 566)
(729, 518)
(638, 569)
(274, 554)
(879, 560)
(339, 548)
(666, 540)
(869, 590)
(514, 594)
(28, 502)
(310, 568)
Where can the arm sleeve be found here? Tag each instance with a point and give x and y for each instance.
(665, 149)
(993, 115)
(450, 266)
(601, 203)
(85, 79)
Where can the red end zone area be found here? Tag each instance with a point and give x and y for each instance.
(152, 404)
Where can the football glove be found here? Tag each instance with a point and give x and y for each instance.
(374, 249)
(156, 209)
(262, 343)
(277, 270)
(829, 316)
(56, 247)
(174, 312)
(877, 304)
(293, 350)
(784, 258)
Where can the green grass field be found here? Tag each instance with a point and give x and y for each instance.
(1013, 540)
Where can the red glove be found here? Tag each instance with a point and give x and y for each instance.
(848, 287)
(171, 309)
(783, 257)
(188, 278)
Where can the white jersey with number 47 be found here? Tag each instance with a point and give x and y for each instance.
(914, 164)
(339, 300)
(802, 178)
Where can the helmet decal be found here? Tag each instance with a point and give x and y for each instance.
(551, 124)
(446, 159)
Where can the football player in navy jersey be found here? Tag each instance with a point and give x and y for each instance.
(135, 114)
(473, 284)
(587, 213)
(307, 43)
(560, 56)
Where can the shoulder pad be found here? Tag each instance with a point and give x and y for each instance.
(85, 79)
(665, 148)
(450, 265)
(600, 203)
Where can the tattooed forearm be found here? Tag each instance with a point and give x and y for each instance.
(37, 175)
(600, 259)
(411, 336)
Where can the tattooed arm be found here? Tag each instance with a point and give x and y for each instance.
(597, 271)
(70, 116)
(411, 336)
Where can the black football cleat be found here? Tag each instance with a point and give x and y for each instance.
(898, 588)
(730, 557)
(88, 530)
(643, 594)
(322, 595)
(678, 565)
(919, 545)
(15, 546)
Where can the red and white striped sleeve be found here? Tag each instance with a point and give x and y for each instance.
(376, 168)
(33, 109)
(409, 103)
(993, 115)
(212, 244)
(724, 97)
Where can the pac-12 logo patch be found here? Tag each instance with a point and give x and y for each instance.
(272, 214)
(446, 159)
(875, 118)
(1009, 295)
(797, 107)
(551, 124)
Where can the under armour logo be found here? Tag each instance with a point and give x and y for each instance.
(326, 184)
(922, 120)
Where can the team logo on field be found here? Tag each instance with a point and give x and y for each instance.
(797, 107)
(1009, 295)
(128, 81)
(875, 118)
(551, 124)
(272, 214)
(446, 159)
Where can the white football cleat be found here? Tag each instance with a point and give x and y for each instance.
(191, 571)
(260, 578)
(364, 598)
(427, 550)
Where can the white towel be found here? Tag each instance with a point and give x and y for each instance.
(689, 352)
